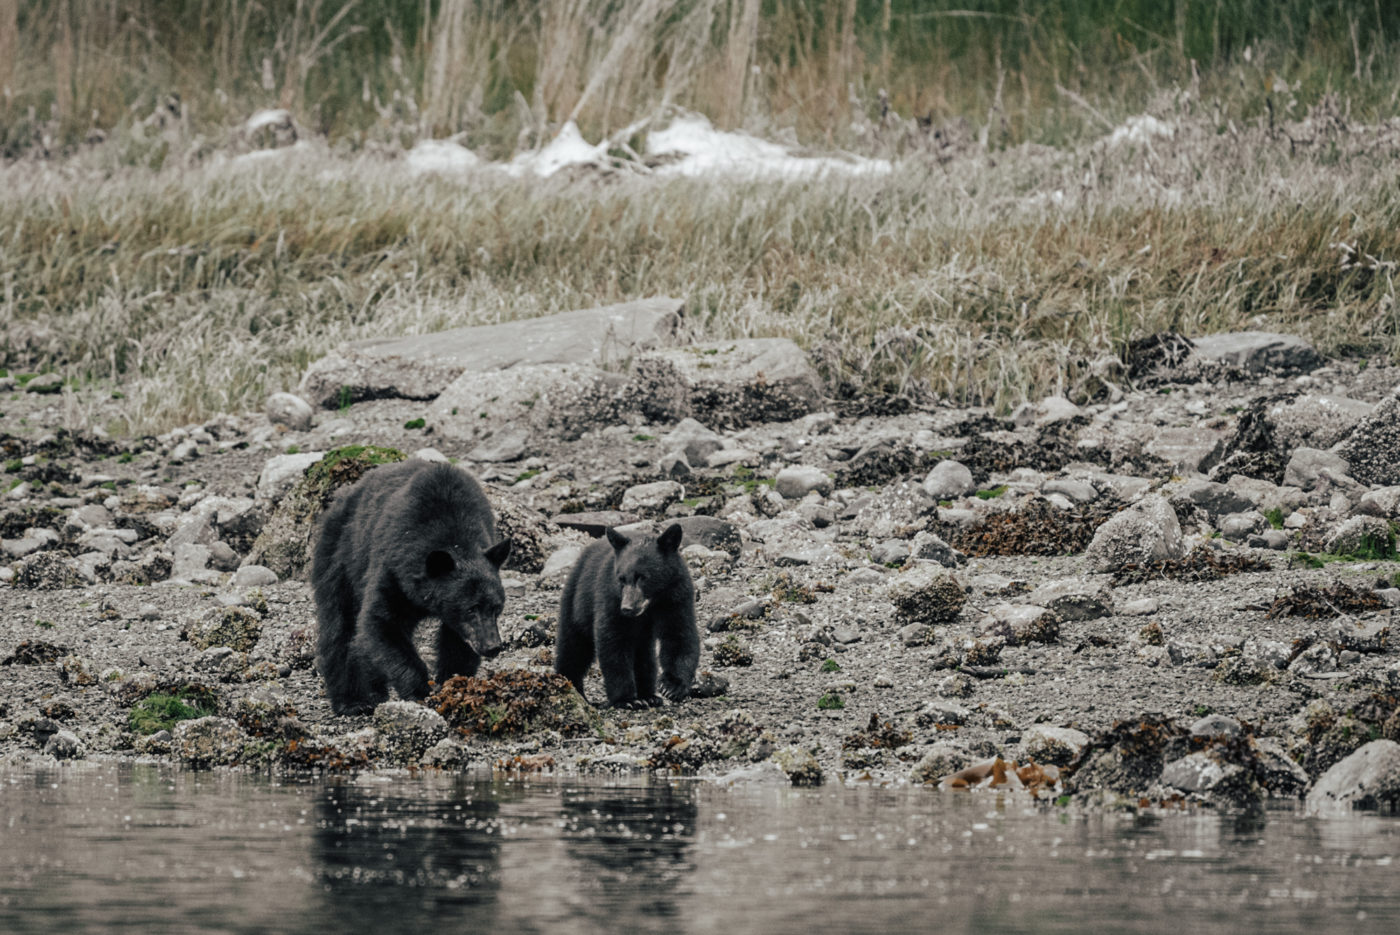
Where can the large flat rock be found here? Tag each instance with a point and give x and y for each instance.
(422, 366)
(1257, 351)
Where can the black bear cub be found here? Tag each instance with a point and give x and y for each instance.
(407, 541)
(626, 594)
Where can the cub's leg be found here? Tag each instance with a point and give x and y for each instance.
(335, 629)
(573, 647)
(454, 656)
(616, 657)
(644, 669)
(680, 653)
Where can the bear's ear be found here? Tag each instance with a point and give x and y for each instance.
(618, 540)
(440, 563)
(498, 553)
(670, 540)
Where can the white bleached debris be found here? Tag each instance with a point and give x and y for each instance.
(1140, 130)
(705, 150)
(270, 117)
(443, 156)
(568, 148)
(272, 156)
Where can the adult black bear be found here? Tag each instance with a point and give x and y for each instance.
(624, 595)
(408, 541)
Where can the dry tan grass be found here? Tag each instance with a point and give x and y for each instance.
(985, 279)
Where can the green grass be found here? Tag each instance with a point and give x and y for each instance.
(830, 701)
(162, 712)
(991, 493)
(415, 423)
(1275, 517)
(830, 665)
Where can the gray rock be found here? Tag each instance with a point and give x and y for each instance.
(421, 367)
(940, 760)
(948, 480)
(508, 443)
(727, 456)
(651, 498)
(1215, 725)
(431, 455)
(546, 400)
(1314, 421)
(889, 552)
(289, 410)
(1080, 491)
(674, 466)
(65, 745)
(1373, 448)
(926, 594)
(45, 383)
(1306, 465)
(407, 729)
(1353, 533)
(281, 472)
(1275, 539)
(1368, 778)
(1383, 503)
(208, 741)
(1147, 532)
(1216, 499)
(711, 532)
(1203, 774)
(797, 481)
(930, 547)
(1186, 448)
(1074, 598)
(561, 561)
(254, 576)
(733, 383)
(1140, 607)
(1257, 352)
(190, 560)
(1057, 746)
(1277, 771)
(692, 439)
(1237, 527)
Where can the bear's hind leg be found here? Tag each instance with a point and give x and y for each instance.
(573, 649)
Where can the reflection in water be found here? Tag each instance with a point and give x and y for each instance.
(117, 848)
(383, 849)
(630, 843)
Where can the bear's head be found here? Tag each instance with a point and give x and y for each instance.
(645, 566)
(462, 588)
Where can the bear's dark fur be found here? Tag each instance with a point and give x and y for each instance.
(408, 541)
(625, 594)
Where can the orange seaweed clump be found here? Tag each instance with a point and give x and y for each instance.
(997, 773)
(526, 763)
(512, 701)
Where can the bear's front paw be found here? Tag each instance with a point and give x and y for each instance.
(629, 704)
(674, 691)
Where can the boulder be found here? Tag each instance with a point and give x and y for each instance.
(1147, 532)
(422, 366)
(1369, 778)
(1372, 450)
(1256, 352)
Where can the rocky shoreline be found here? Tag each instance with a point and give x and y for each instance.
(1174, 584)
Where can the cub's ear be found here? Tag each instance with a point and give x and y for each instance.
(440, 563)
(498, 553)
(670, 540)
(618, 540)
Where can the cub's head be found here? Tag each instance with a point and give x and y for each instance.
(462, 588)
(645, 566)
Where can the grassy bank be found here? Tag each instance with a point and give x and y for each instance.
(508, 72)
(981, 279)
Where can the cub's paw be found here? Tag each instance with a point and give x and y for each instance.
(674, 691)
(630, 704)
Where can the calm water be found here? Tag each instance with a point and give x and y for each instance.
(144, 850)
